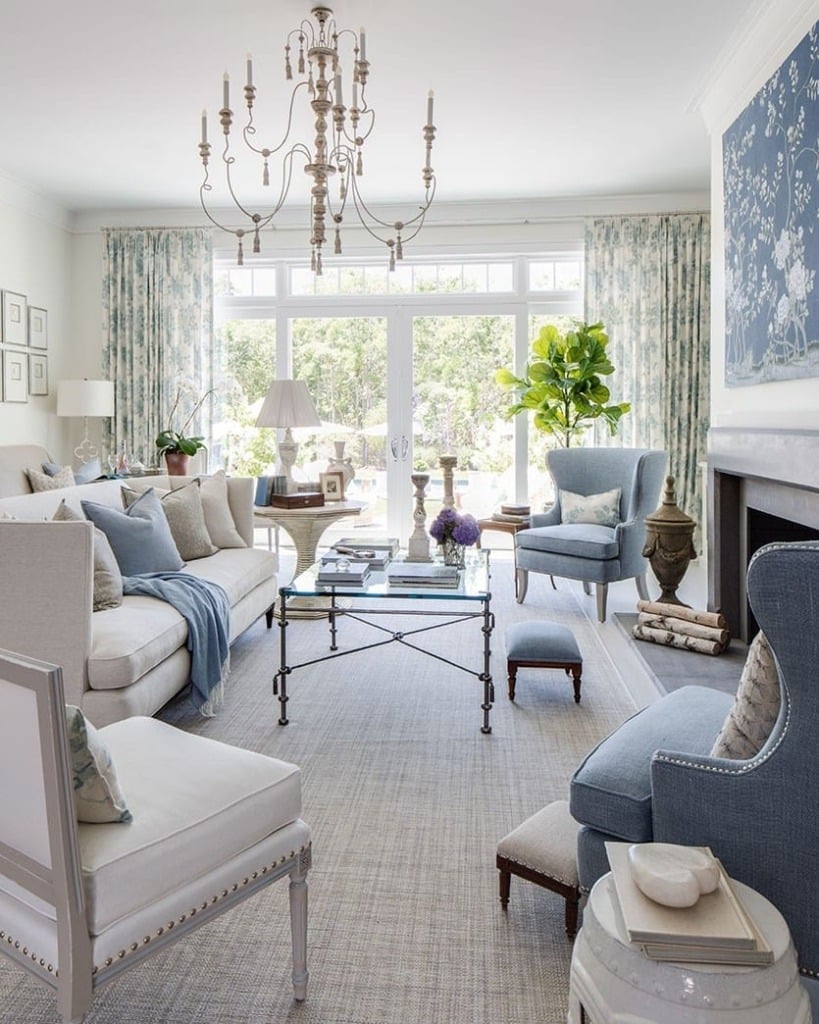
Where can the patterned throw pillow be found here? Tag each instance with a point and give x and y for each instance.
(140, 537)
(756, 707)
(107, 577)
(84, 474)
(186, 518)
(598, 509)
(97, 794)
(43, 482)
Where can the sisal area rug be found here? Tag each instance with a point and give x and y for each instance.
(407, 800)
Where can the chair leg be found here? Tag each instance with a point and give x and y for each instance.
(505, 880)
(521, 584)
(298, 931)
(642, 588)
(586, 587)
(602, 594)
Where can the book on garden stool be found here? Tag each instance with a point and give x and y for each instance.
(718, 921)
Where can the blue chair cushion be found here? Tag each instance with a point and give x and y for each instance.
(541, 641)
(581, 540)
(611, 790)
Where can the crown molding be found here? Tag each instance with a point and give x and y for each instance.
(21, 197)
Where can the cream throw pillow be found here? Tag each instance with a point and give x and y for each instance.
(97, 794)
(597, 509)
(218, 517)
(43, 482)
(756, 706)
(107, 577)
(183, 510)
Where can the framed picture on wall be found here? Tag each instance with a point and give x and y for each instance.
(37, 375)
(15, 384)
(37, 327)
(15, 319)
(332, 485)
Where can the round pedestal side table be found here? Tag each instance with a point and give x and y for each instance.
(613, 982)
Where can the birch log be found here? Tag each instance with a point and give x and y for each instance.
(679, 611)
(669, 639)
(674, 625)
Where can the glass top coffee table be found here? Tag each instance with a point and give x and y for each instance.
(470, 599)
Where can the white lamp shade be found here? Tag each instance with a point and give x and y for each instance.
(85, 398)
(288, 404)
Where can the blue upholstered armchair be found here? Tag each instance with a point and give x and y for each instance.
(654, 778)
(588, 551)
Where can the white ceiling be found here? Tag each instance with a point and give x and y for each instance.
(533, 98)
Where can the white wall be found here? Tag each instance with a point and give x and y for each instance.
(778, 28)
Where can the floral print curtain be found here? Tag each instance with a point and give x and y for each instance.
(157, 306)
(648, 280)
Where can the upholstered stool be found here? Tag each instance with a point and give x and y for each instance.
(542, 850)
(542, 645)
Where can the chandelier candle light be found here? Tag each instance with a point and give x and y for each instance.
(338, 147)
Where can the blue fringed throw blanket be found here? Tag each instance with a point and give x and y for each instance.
(206, 609)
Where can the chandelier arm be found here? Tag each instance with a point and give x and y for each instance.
(361, 205)
(266, 151)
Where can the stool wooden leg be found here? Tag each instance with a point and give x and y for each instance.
(505, 879)
(576, 671)
(572, 904)
(512, 674)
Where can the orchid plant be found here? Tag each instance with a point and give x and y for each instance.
(170, 440)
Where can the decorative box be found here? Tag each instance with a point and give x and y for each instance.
(302, 499)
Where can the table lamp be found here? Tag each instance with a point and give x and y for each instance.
(288, 404)
(85, 398)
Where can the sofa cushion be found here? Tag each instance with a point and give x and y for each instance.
(107, 577)
(181, 829)
(128, 641)
(236, 571)
(611, 790)
(756, 707)
(599, 509)
(218, 517)
(84, 474)
(140, 536)
(45, 482)
(186, 518)
(581, 540)
(98, 796)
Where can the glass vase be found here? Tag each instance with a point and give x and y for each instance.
(454, 553)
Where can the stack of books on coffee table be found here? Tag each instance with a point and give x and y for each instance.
(422, 574)
(717, 929)
(344, 573)
(378, 551)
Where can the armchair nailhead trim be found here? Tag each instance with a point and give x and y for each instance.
(305, 858)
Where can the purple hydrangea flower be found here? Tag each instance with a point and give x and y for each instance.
(450, 524)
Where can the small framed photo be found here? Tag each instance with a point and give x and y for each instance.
(332, 485)
(15, 319)
(37, 374)
(37, 327)
(15, 373)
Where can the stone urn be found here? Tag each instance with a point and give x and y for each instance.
(669, 546)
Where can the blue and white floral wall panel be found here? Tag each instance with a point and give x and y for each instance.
(771, 183)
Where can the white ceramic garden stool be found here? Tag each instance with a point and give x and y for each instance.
(613, 982)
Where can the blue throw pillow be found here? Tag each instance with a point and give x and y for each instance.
(84, 474)
(139, 537)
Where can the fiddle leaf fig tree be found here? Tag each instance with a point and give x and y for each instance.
(562, 385)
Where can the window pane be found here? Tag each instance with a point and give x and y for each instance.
(264, 281)
(426, 278)
(248, 366)
(541, 276)
(241, 281)
(302, 281)
(400, 279)
(567, 276)
(501, 277)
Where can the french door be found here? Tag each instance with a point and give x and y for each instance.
(402, 386)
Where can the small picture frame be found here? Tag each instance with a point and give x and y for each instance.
(37, 374)
(15, 376)
(15, 319)
(37, 328)
(332, 485)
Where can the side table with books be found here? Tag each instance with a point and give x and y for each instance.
(614, 979)
(507, 519)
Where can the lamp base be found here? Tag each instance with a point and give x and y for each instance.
(85, 450)
(288, 450)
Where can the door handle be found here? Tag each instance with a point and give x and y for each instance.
(394, 448)
(404, 448)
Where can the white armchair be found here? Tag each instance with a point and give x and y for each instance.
(80, 903)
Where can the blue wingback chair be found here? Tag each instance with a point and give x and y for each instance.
(654, 778)
(584, 551)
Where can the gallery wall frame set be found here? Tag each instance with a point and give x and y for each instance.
(23, 347)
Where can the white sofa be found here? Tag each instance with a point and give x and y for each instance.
(123, 661)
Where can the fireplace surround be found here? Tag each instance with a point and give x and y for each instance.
(763, 486)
